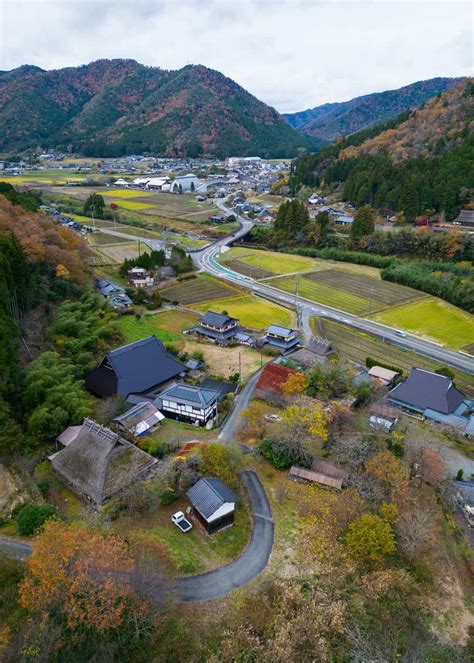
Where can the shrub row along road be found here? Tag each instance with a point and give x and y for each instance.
(207, 260)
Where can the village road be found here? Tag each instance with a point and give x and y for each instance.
(220, 582)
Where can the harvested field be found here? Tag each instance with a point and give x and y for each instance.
(225, 361)
(383, 292)
(248, 270)
(120, 252)
(322, 294)
(202, 289)
(357, 346)
(101, 239)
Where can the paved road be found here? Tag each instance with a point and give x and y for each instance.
(207, 260)
(242, 401)
(220, 582)
(15, 549)
(214, 584)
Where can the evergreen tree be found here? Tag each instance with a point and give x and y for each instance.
(363, 224)
(95, 204)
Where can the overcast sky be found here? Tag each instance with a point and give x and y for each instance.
(292, 54)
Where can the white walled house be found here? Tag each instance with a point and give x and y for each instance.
(187, 403)
(139, 278)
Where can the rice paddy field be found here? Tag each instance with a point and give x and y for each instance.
(118, 252)
(357, 346)
(381, 292)
(270, 261)
(251, 311)
(124, 193)
(204, 288)
(433, 318)
(322, 294)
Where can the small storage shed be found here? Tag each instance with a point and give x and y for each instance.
(213, 503)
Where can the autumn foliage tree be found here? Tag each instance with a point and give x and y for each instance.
(370, 538)
(77, 574)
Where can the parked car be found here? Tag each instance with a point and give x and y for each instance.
(272, 418)
(181, 522)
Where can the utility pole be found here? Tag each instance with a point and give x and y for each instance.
(296, 292)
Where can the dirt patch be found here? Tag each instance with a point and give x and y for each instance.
(248, 270)
(225, 361)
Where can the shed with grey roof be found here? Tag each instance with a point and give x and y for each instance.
(213, 503)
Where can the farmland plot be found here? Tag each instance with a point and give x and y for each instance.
(383, 292)
(322, 294)
(201, 289)
(248, 270)
(357, 346)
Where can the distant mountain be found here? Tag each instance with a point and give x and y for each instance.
(330, 121)
(115, 107)
(440, 125)
(421, 160)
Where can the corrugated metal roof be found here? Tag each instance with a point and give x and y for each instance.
(309, 475)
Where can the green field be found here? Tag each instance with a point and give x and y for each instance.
(202, 289)
(251, 311)
(357, 346)
(271, 261)
(167, 326)
(322, 294)
(124, 193)
(434, 319)
(131, 204)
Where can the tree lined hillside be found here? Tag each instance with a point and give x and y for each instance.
(115, 107)
(330, 121)
(416, 163)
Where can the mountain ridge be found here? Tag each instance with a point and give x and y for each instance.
(331, 121)
(113, 107)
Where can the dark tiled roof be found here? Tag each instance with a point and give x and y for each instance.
(138, 367)
(226, 335)
(221, 387)
(423, 389)
(216, 319)
(183, 393)
(278, 330)
(209, 494)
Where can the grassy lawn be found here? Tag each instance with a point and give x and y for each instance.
(202, 289)
(124, 193)
(433, 319)
(194, 552)
(277, 263)
(323, 294)
(251, 311)
(357, 346)
(166, 325)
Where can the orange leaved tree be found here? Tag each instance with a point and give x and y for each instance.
(83, 575)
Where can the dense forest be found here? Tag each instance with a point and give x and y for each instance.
(420, 161)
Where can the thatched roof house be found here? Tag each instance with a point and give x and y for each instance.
(98, 463)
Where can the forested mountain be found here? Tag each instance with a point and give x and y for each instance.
(113, 107)
(330, 121)
(420, 161)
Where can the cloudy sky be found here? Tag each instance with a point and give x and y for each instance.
(292, 54)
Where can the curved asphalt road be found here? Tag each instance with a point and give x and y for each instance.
(207, 259)
(216, 584)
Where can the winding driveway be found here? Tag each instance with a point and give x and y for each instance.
(216, 584)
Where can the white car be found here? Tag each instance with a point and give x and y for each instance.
(272, 418)
(400, 333)
(181, 522)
